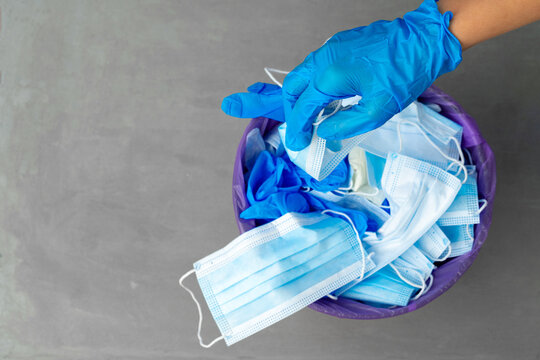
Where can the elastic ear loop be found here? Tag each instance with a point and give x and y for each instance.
(426, 289)
(448, 252)
(484, 205)
(199, 310)
(468, 233)
(421, 287)
(482, 208)
(269, 71)
(461, 163)
(333, 297)
(364, 258)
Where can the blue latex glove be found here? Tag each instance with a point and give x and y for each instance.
(388, 63)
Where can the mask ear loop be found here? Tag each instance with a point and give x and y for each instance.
(426, 289)
(484, 205)
(421, 287)
(199, 310)
(468, 233)
(364, 258)
(460, 163)
(269, 71)
(448, 252)
(334, 297)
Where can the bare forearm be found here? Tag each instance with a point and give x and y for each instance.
(475, 21)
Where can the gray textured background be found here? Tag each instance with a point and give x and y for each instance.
(115, 172)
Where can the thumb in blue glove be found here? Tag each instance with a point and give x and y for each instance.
(261, 100)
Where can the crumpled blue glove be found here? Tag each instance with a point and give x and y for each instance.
(388, 63)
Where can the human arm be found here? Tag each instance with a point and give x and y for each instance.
(475, 21)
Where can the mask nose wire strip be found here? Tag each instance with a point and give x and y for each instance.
(181, 282)
(359, 242)
(269, 71)
(460, 162)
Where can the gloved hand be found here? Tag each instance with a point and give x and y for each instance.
(388, 63)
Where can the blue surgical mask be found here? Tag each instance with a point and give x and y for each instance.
(274, 270)
(434, 244)
(355, 202)
(464, 209)
(419, 193)
(461, 238)
(413, 263)
(322, 156)
(418, 132)
(384, 287)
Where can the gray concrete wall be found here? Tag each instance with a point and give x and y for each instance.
(115, 172)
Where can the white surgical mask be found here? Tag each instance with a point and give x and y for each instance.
(465, 208)
(461, 238)
(418, 132)
(419, 193)
(321, 156)
(434, 244)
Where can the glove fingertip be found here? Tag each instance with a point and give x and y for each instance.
(232, 106)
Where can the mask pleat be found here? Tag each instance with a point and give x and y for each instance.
(269, 253)
(285, 264)
(295, 287)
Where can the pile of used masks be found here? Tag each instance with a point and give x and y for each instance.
(367, 218)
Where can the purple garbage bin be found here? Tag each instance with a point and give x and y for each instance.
(445, 275)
